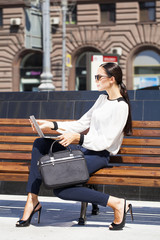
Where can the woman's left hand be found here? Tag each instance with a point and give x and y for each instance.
(68, 138)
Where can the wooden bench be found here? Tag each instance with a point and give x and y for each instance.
(136, 164)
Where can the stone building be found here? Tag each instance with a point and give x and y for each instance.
(124, 31)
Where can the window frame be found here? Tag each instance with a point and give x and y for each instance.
(146, 69)
(1, 17)
(109, 11)
(144, 11)
(70, 15)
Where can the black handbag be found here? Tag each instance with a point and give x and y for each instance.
(63, 168)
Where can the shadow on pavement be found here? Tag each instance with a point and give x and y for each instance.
(66, 214)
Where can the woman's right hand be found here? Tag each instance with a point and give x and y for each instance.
(43, 124)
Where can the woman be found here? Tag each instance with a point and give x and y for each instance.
(108, 120)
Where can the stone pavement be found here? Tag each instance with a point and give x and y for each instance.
(59, 221)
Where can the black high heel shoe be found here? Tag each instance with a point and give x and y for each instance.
(122, 224)
(22, 223)
(131, 211)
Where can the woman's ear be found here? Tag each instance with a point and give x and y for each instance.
(112, 80)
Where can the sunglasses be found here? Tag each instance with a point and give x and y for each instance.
(98, 77)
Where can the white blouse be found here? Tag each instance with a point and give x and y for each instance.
(105, 120)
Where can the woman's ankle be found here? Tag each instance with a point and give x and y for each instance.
(32, 198)
(31, 202)
(115, 203)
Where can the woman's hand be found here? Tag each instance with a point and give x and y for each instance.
(68, 138)
(43, 124)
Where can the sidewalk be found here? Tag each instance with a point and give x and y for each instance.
(59, 221)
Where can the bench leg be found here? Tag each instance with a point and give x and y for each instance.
(95, 209)
(82, 218)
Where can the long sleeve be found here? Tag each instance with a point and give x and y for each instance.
(105, 120)
(79, 125)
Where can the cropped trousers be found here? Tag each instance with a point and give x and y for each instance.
(95, 160)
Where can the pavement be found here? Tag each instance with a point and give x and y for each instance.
(59, 221)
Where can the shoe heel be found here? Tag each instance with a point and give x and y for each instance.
(39, 214)
(131, 211)
(25, 223)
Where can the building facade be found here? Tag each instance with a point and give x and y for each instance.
(127, 32)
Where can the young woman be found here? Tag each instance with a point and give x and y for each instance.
(108, 120)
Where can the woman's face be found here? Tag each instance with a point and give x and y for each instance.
(102, 80)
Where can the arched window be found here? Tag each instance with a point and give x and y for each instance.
(83, 70)
(146, 70)
(30, 71)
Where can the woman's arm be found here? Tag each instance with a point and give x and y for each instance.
(65, 139)
(43, 124)
(83, 123)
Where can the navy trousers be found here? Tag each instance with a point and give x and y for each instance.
(95, 161)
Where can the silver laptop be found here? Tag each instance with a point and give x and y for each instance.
(39, 130)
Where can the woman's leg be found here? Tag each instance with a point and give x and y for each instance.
(95, 161)
(83, 194)
(32, 200)
(41, 147)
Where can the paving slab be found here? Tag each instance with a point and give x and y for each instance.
(59, 221)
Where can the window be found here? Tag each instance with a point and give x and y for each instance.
(33, 32)
(107, 13)
(147, 11)
(84, 79)
(81, 72)
(71, 16)
(30, 72)
(147, 70)
(1, 17)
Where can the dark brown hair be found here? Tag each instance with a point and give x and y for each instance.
(113, 69)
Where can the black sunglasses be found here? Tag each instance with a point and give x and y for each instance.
(98, 77)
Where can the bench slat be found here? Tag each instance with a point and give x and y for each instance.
(14, 121)
(141, 142)
(123, 150)
(140, 151)
(15, 147)
(146, 132)
(14, 167)
(146, 124)
(6, 129)
(26, 130)
(130, 171)
(126, 141)
(113, 159)
(137, 124)
(21, 121)
(135, 159)
(23, 177)
(124, 181)
(15, 156)
(18, 139)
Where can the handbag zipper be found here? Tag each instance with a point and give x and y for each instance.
(60, 160)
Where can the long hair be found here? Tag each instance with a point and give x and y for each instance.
(113, 69)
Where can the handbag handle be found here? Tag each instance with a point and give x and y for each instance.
(51, 152)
